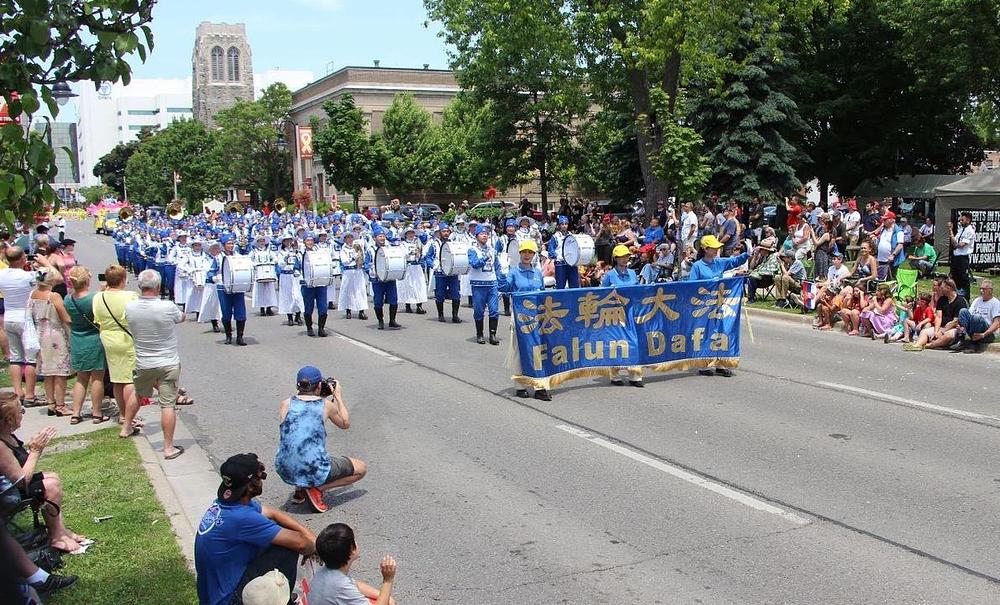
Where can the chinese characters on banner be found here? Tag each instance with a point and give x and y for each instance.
(565, 334)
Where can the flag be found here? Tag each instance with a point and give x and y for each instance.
(809, 295)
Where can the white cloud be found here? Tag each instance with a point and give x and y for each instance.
(322, 5)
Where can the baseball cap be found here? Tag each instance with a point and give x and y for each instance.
(889, 215)
(528, 244)
(620, 250)
(710, 241)
(237, 472)
(269, 589)
(310, 374)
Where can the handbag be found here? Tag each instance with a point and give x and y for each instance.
(29, 335)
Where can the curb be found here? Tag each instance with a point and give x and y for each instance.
(806, 320)
(168, 499)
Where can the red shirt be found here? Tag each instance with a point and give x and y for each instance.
(922, 312)
(793, 216)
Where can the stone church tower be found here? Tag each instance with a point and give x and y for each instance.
(222, 69)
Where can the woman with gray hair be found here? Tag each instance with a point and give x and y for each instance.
(46, 308)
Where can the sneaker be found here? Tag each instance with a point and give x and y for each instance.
(724, 372)
(316, 500)
(636, 383)
(299, 496)
(912, 347)
(617, 382)
(977, 347)
(522, 393)
(542, 395)
(706, 372)
(54, 583)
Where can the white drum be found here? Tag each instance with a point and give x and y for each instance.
(265, 273)
(390, 263)
(237, 274)
(198, 277)
(578, 249)
(337, 268)
(317, 268)
(513, 254)
(454, 258)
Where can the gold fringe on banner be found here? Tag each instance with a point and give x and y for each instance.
(550, 382)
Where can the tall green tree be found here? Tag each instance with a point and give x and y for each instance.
(352, 159)
(186, 147)
(251, 143)
(609, 157)
(410, 146)
(522, 58)
(42, 43)
(462, 162)
(111, 167)
(747, 121)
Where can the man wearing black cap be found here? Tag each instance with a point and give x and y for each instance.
(239, 539)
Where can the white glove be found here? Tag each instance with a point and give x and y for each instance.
(297, 273)
(216, 279)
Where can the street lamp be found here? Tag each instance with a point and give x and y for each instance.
(61, 93)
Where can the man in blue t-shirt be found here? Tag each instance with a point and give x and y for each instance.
(239, 539)
(653, 233)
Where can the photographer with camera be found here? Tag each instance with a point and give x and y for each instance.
(302, 459)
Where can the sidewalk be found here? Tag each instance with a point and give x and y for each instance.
(185, 486)
(806, 320)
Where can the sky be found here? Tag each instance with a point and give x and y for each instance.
(299, 34)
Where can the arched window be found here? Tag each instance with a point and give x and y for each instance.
(233, 64)
(217, 63)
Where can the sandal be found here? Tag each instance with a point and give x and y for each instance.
(59, 412)
(75, 420)
(184, 400)
(30, 402)
(133, 433)
(100, 419)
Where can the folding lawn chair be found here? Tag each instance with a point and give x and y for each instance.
(906, 283)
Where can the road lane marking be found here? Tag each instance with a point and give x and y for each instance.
(684, 475)
(909, 402)
(368, 347)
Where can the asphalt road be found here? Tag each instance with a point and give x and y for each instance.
(828, 470)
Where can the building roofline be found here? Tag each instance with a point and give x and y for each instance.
(372, 68)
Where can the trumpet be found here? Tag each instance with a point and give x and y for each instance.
(175, 210)
(234, 207)
(280, 206)
(125, 213)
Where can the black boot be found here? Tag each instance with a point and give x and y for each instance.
(298, 319)
(470, 301)
(392, 317)
(420, 309)
(215, 326)
(479, 332)
(493, 330)
(241, 324)
(309, 326)
(322, 325)
(506, 306)
(270, 312)
(454, 312)
(330, 306)
(263, 311)
(380, 316)
(196, 316)
(229, 332)
(291, 319)
(348, 316)
(362, 316)
(409, 309)
(440, 308)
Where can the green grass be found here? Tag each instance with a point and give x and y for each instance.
(136, 558)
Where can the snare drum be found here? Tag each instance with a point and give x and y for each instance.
(265, 273)
(454, 258)
(198, 277)
(237, 274)
(578, 249)
(317, 268)
(390, 263)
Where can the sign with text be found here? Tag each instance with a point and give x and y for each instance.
(986, 222)
(565, 334)
(305, 142)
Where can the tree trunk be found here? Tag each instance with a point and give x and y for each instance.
(543, 179)
(648, 137)
(823, 194)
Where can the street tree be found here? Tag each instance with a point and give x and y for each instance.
(44, 43)
(111, 167)
(522, 58)
(410, 146)
(609, 156)
(251, 143)
(185, 147)
(352, 159)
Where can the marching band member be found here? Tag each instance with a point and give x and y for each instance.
(413, 287)
(485, 263)
(180, 288)
(290, 301)
(210, 310)
(354, 286)
(461, 234)
(233, 304)
(313, 296)
(567, 276)
(195, 263)
(383, 291)
(169, 268)
(621, 275)
(525, 277)
(445, 286)
(503, 245)
(333, 248)
(264, 294)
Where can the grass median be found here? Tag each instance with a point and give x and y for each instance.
(136, 558)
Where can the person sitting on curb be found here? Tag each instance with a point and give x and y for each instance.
(240, 539)
(981, 320)
(944, 330)
(332, 584)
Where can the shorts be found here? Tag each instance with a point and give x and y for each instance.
(1, 307)
(340, 467)
(166, 377)
(15, 336)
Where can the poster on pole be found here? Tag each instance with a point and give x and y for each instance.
(305, 142)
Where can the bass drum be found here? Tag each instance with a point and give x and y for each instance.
(390, 263)
(578, 249)
(317, 268)
(454, 258)
(237, 274)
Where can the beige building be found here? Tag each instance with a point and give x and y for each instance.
(373, 89)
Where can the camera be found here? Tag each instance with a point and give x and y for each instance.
(327, 387)
(100, 277)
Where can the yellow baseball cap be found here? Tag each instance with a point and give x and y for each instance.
(620, 250)
(710, 241)
(528, 244)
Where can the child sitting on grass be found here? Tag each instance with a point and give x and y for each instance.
(904, 323)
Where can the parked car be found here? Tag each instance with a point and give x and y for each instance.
(410, 210)
(106, 221)
(495, 204)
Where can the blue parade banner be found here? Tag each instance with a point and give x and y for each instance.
(566, 334)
